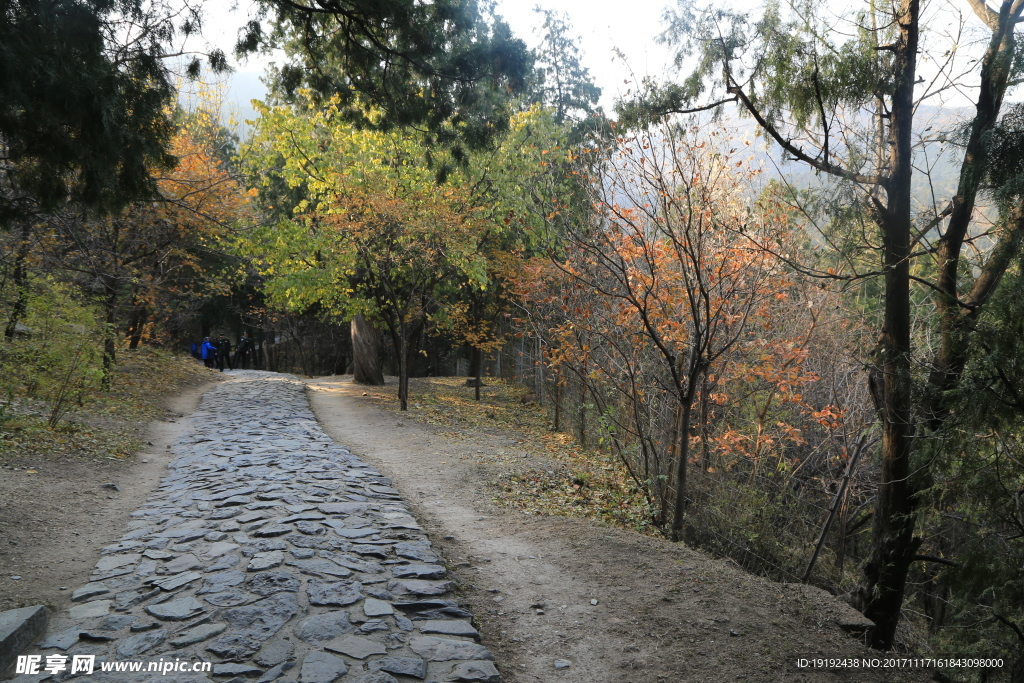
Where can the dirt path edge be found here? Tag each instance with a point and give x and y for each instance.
(56, 520)
(570, 600)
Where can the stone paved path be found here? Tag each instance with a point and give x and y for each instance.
(277, 555)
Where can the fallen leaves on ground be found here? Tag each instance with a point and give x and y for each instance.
(570, 480)
(108, 425)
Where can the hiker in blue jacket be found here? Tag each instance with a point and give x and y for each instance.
(209, 353)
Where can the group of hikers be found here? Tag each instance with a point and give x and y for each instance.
(217, 354)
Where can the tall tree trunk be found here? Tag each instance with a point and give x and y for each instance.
(135, 327)
(366, 366)
(20, 282)
(478, 380)
(403, 365)
(682, 440)
(558, 404)
(110, 333)
(893, 542)
(952, 354)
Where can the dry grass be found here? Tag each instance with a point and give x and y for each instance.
(108, 425)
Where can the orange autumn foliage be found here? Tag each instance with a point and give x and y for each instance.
(665, 308)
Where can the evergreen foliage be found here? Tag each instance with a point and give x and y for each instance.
(560, 81)
(83, 119)
(442, 67)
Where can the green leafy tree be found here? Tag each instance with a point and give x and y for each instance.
(375, 236)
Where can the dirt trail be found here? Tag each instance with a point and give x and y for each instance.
(54, 521)
(663, 612)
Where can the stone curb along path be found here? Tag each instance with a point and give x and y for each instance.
(277, 555)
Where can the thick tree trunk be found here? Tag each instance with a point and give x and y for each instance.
(476, 368)
(478, 380)
(893, 543)
(366, 366)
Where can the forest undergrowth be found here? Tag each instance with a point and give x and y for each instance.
(107, 424)
(575, 482)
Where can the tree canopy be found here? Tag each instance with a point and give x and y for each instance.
(444, 67)
(85, 96)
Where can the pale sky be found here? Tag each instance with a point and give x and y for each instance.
(602, 26)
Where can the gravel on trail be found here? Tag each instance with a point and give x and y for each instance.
(276, 555)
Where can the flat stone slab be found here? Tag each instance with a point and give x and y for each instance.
(373, 607)
(143, 642)
(416, 551)
(228, 598)
(89, 590)
(234, 646)
(96, 608)
(275, 653)
(197, 635)
(480, 671)
(334, 593)
(325, 626)
(346, 532)
(183, 563)
(222, 580)
(321, 566)
(444, 650)
(356, 646)
(217, 549)
(450, 627)
(268, 583)
(404, 666)
(418, 571)
(177, 610)
(310, 528)
(374, 677)
(232, 669)
(18, 628)
(419, 587)
(62, 640)
(343, 508)
(275, 672)
(114, 561)
(264, 618)
(176, 581)
(320, 667)
(265, 560)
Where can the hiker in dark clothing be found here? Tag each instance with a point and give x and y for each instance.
(208, 352)
(224, 353)
(242, 351)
